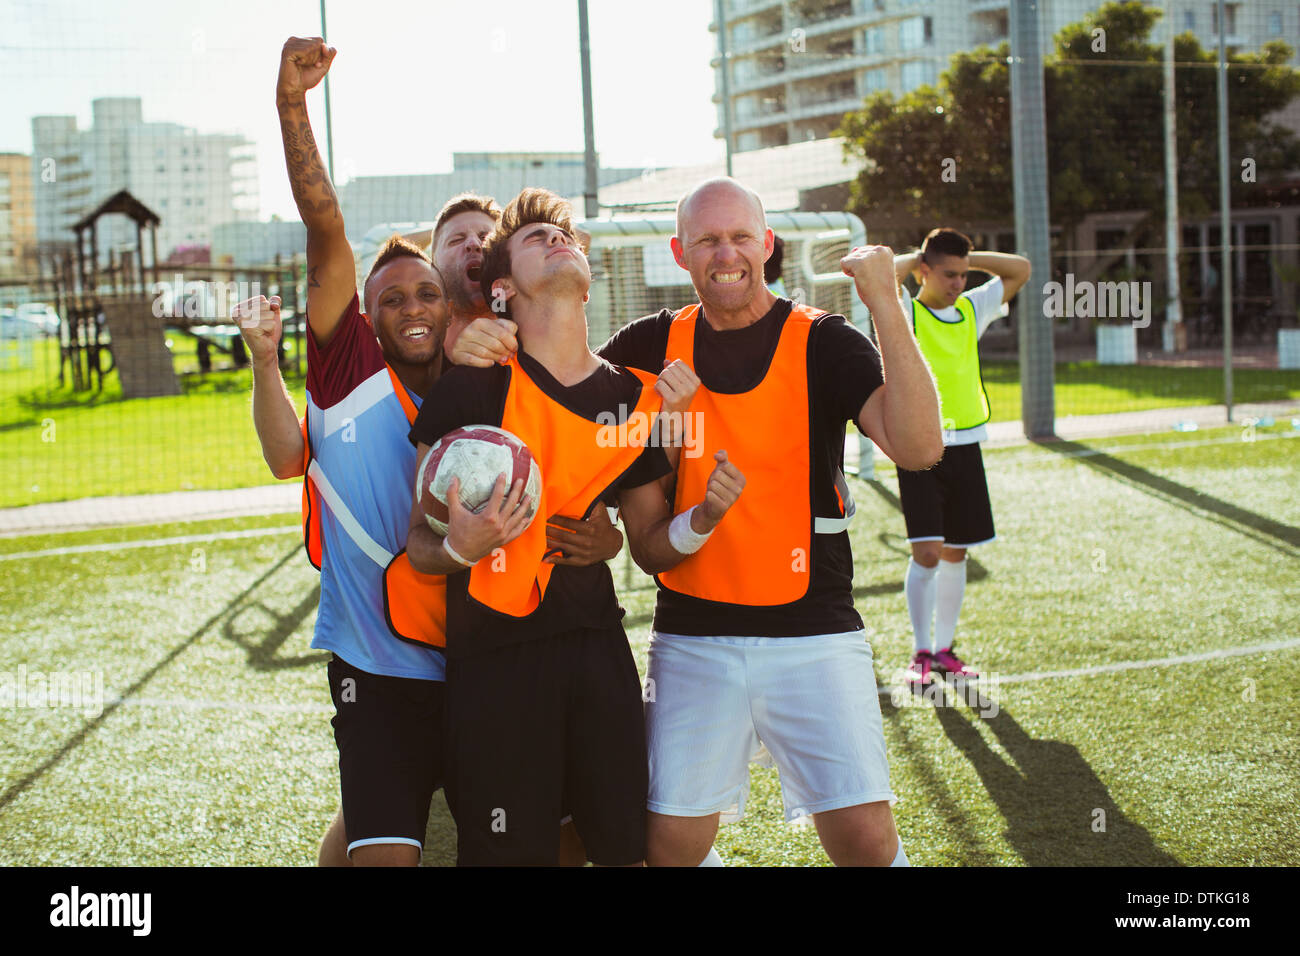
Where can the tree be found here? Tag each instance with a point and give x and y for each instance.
(1105, 141)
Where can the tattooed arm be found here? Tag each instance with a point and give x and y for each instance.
(331, 272)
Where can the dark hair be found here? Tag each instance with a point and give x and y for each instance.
(772, 267)
(466, 202)
(532, 205)
(945, 242)
(394, 247)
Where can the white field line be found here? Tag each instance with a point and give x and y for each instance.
(1121, 666)
(1119, 449)
(1020, 453)
(152, 542)
(1040, 454)
(184, 703)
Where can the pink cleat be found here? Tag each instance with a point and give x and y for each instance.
(918, 672)
(946, 662)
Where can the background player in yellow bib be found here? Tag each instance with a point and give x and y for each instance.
(946, 508)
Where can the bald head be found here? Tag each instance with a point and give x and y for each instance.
(689, 206)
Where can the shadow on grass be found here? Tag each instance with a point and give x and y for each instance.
(1274, 534)
(273, 630)
(1053, 802)
(12, 792)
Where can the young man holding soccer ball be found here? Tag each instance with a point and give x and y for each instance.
(544, 707)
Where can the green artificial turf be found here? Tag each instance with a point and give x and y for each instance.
(1108, 552)
(61, 445)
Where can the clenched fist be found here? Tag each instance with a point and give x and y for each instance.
(304, 61)
(259, 323)
(724, 488)
(872, 269)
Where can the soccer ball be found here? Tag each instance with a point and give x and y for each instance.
(477, 455)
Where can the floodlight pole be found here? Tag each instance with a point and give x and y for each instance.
(726, 83)
(1225, 216)
(591, 200)
(1174, 310)
(329, 127)
(1033, 225)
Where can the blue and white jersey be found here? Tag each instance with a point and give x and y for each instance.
(364, 462)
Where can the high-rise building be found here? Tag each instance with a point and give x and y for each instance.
(17, 215)
(368, 201)
(794, 67)
(193, 181)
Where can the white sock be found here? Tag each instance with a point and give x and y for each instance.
(712, 859)
(919, 586)
(901, 858)
(950, 585)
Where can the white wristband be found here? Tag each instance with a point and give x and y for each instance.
(451, 552)
(682, 536)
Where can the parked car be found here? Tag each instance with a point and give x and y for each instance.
(13, 328)
(41, 315)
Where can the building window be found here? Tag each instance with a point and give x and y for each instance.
(873, 40)
(1189, 19)
(1275, 23)
(915, 32)
(917, 73)
(1229, 14)
(874, 80)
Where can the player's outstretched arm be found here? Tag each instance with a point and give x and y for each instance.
(660, 540)
(274, 416)
(331, 271)
(1012, 270)
(901, 416)
(470, 537)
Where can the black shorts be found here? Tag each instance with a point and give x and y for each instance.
(949, 502)
(539, 728)
(389, 732)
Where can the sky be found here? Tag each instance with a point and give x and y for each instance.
(412, 82)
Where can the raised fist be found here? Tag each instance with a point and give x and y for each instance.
(304, 61)
(872, 269)
(259, 323)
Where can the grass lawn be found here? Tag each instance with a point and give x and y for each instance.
(1117, 551)
(1086, 388)
(60, 445)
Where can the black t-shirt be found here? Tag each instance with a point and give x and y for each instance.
(843, 370)
(576, 597)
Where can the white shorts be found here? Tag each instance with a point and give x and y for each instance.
(714, 704)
